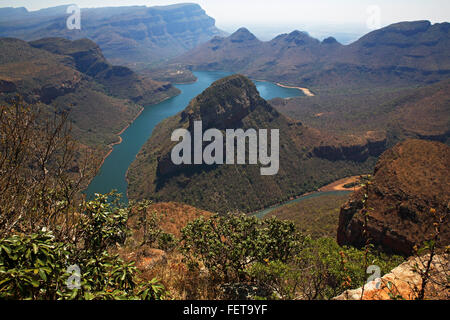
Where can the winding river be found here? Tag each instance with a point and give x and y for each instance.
(112, 174)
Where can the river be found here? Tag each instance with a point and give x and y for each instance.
(112, 174)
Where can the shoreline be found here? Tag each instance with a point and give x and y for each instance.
(111, 145)
(305, 91)
(338, 185)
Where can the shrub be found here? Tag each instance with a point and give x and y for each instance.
(321, 270)
(227, 245)
(35, 266)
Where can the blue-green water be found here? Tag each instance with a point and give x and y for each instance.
(261, 214)
(112, 174)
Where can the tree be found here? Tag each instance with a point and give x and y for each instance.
(45, 223)
(227, 245)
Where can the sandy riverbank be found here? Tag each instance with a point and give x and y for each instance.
(339, 185)
(306, 91)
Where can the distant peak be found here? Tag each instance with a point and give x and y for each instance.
(243, 34)
(408, 25)
(298, 37)
(297, 33)
(407, 28)
(330, 40)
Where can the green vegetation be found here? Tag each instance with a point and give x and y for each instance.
(49, 233)
(228, 245)
(45, 224)
(35, 266)
(321, 270)
(272, 255)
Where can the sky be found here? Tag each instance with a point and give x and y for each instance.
(267, 18)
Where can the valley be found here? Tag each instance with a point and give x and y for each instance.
(146, 154)
(112, 174)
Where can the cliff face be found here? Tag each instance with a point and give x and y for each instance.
(409, 190)
(119, 81)
(371, 145)
(132, 35)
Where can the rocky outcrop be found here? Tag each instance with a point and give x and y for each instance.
(405, 282)
(371, 145)
(225, 104)
(49, 93)
(409, 193)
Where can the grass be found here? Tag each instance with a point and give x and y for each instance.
(318, 217)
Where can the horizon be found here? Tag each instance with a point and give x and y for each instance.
(346, 21)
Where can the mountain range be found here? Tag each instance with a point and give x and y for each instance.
(133, 35)
(402, 54)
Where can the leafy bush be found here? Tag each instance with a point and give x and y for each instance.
(167, 241)
(321, 270)
(227, 245)
(36, 266)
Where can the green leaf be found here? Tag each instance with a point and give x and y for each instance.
(43, 275)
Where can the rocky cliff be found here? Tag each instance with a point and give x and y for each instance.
(137, 34)
(119, 81)
(408, 195)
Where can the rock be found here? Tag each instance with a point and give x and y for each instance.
(371, 145)
(128, 34)
(405, 282)
(409, 189)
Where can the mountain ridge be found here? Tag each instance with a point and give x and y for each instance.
(134, 35)
(402, 54)
(73, 77)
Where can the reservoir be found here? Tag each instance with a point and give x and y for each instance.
(112, 174)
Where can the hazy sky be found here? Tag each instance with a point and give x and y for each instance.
(315, 16)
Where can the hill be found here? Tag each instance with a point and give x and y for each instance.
(61, 75)
(402, 54)
(317, 217)
(127, 35)
(399, 113)
(408, 195)
(308, 158)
